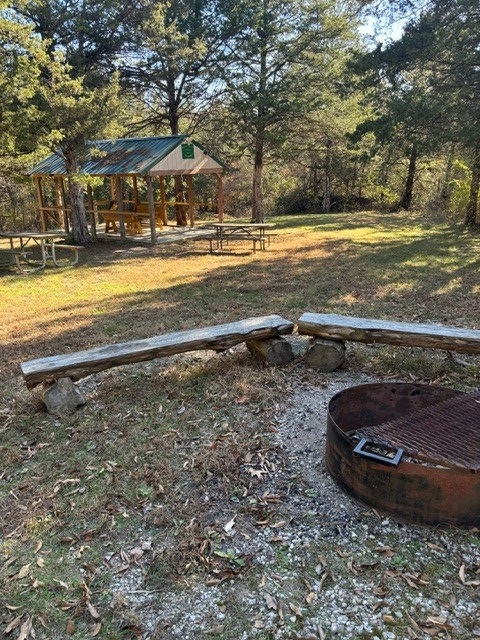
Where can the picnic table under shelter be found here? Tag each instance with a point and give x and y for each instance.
(128, 160)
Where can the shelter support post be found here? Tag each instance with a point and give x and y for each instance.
(119, 200)
(191, 204)
(151, 209)
(220, 197)
(163, 201)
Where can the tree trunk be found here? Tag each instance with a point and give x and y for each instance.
(446, 191)
(406, 200)
(79, 229)
(472, 206)
(327, 179)
(257, 195)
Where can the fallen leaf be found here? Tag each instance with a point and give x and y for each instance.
(271, 602)
(136, 553)
(295, 610)
(13, 624)
(39, 546)
(11, 607)
(61, 583)
(461, 574)
(437, 620)
(40, 562)
(230, 524)
(70, 629)
(26, 629)
(23, 571)
(92, 611)
(95, 629)
(310, 598)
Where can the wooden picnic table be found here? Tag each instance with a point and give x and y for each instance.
(46, 241)
(255, 231)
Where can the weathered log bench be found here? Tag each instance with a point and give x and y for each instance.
(75, 366)
(331, 331)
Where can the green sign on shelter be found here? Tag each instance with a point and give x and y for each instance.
(188, 152)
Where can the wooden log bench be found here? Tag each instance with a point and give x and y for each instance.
(332, 328)
(217, 338)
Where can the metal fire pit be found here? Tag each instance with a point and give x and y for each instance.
(409, 450)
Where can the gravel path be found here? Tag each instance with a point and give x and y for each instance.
(320, 565)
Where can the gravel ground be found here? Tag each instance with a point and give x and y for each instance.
(322, 565)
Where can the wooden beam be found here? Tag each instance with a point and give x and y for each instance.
(163, 201)
(407, 334)
(217, 338)
(119, 201)
(151, 209)
(191, 204)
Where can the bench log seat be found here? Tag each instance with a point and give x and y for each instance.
(217, 338)
(407, 334)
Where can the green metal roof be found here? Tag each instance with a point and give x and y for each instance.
(121, 157)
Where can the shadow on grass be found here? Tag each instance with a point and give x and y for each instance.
(420, 272)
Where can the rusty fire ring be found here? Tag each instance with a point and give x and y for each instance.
(424, 481)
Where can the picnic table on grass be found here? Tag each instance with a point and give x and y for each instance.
(254, 231)
(51, 250)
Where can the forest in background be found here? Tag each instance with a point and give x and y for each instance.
(310, 102)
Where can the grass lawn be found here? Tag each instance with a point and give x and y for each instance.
(133, 464)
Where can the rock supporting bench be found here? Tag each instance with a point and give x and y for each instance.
(337, 328)
(217, 338)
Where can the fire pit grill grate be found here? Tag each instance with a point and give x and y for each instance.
(446, 433)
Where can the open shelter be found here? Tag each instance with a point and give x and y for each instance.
(150, 159)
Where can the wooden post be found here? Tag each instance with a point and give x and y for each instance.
(91, 205)
(151, 209)
(163, 201)
(119, 199)
(191, 203)
(220, 197)
(38, 183)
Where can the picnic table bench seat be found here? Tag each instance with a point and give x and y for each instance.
(13, 258)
